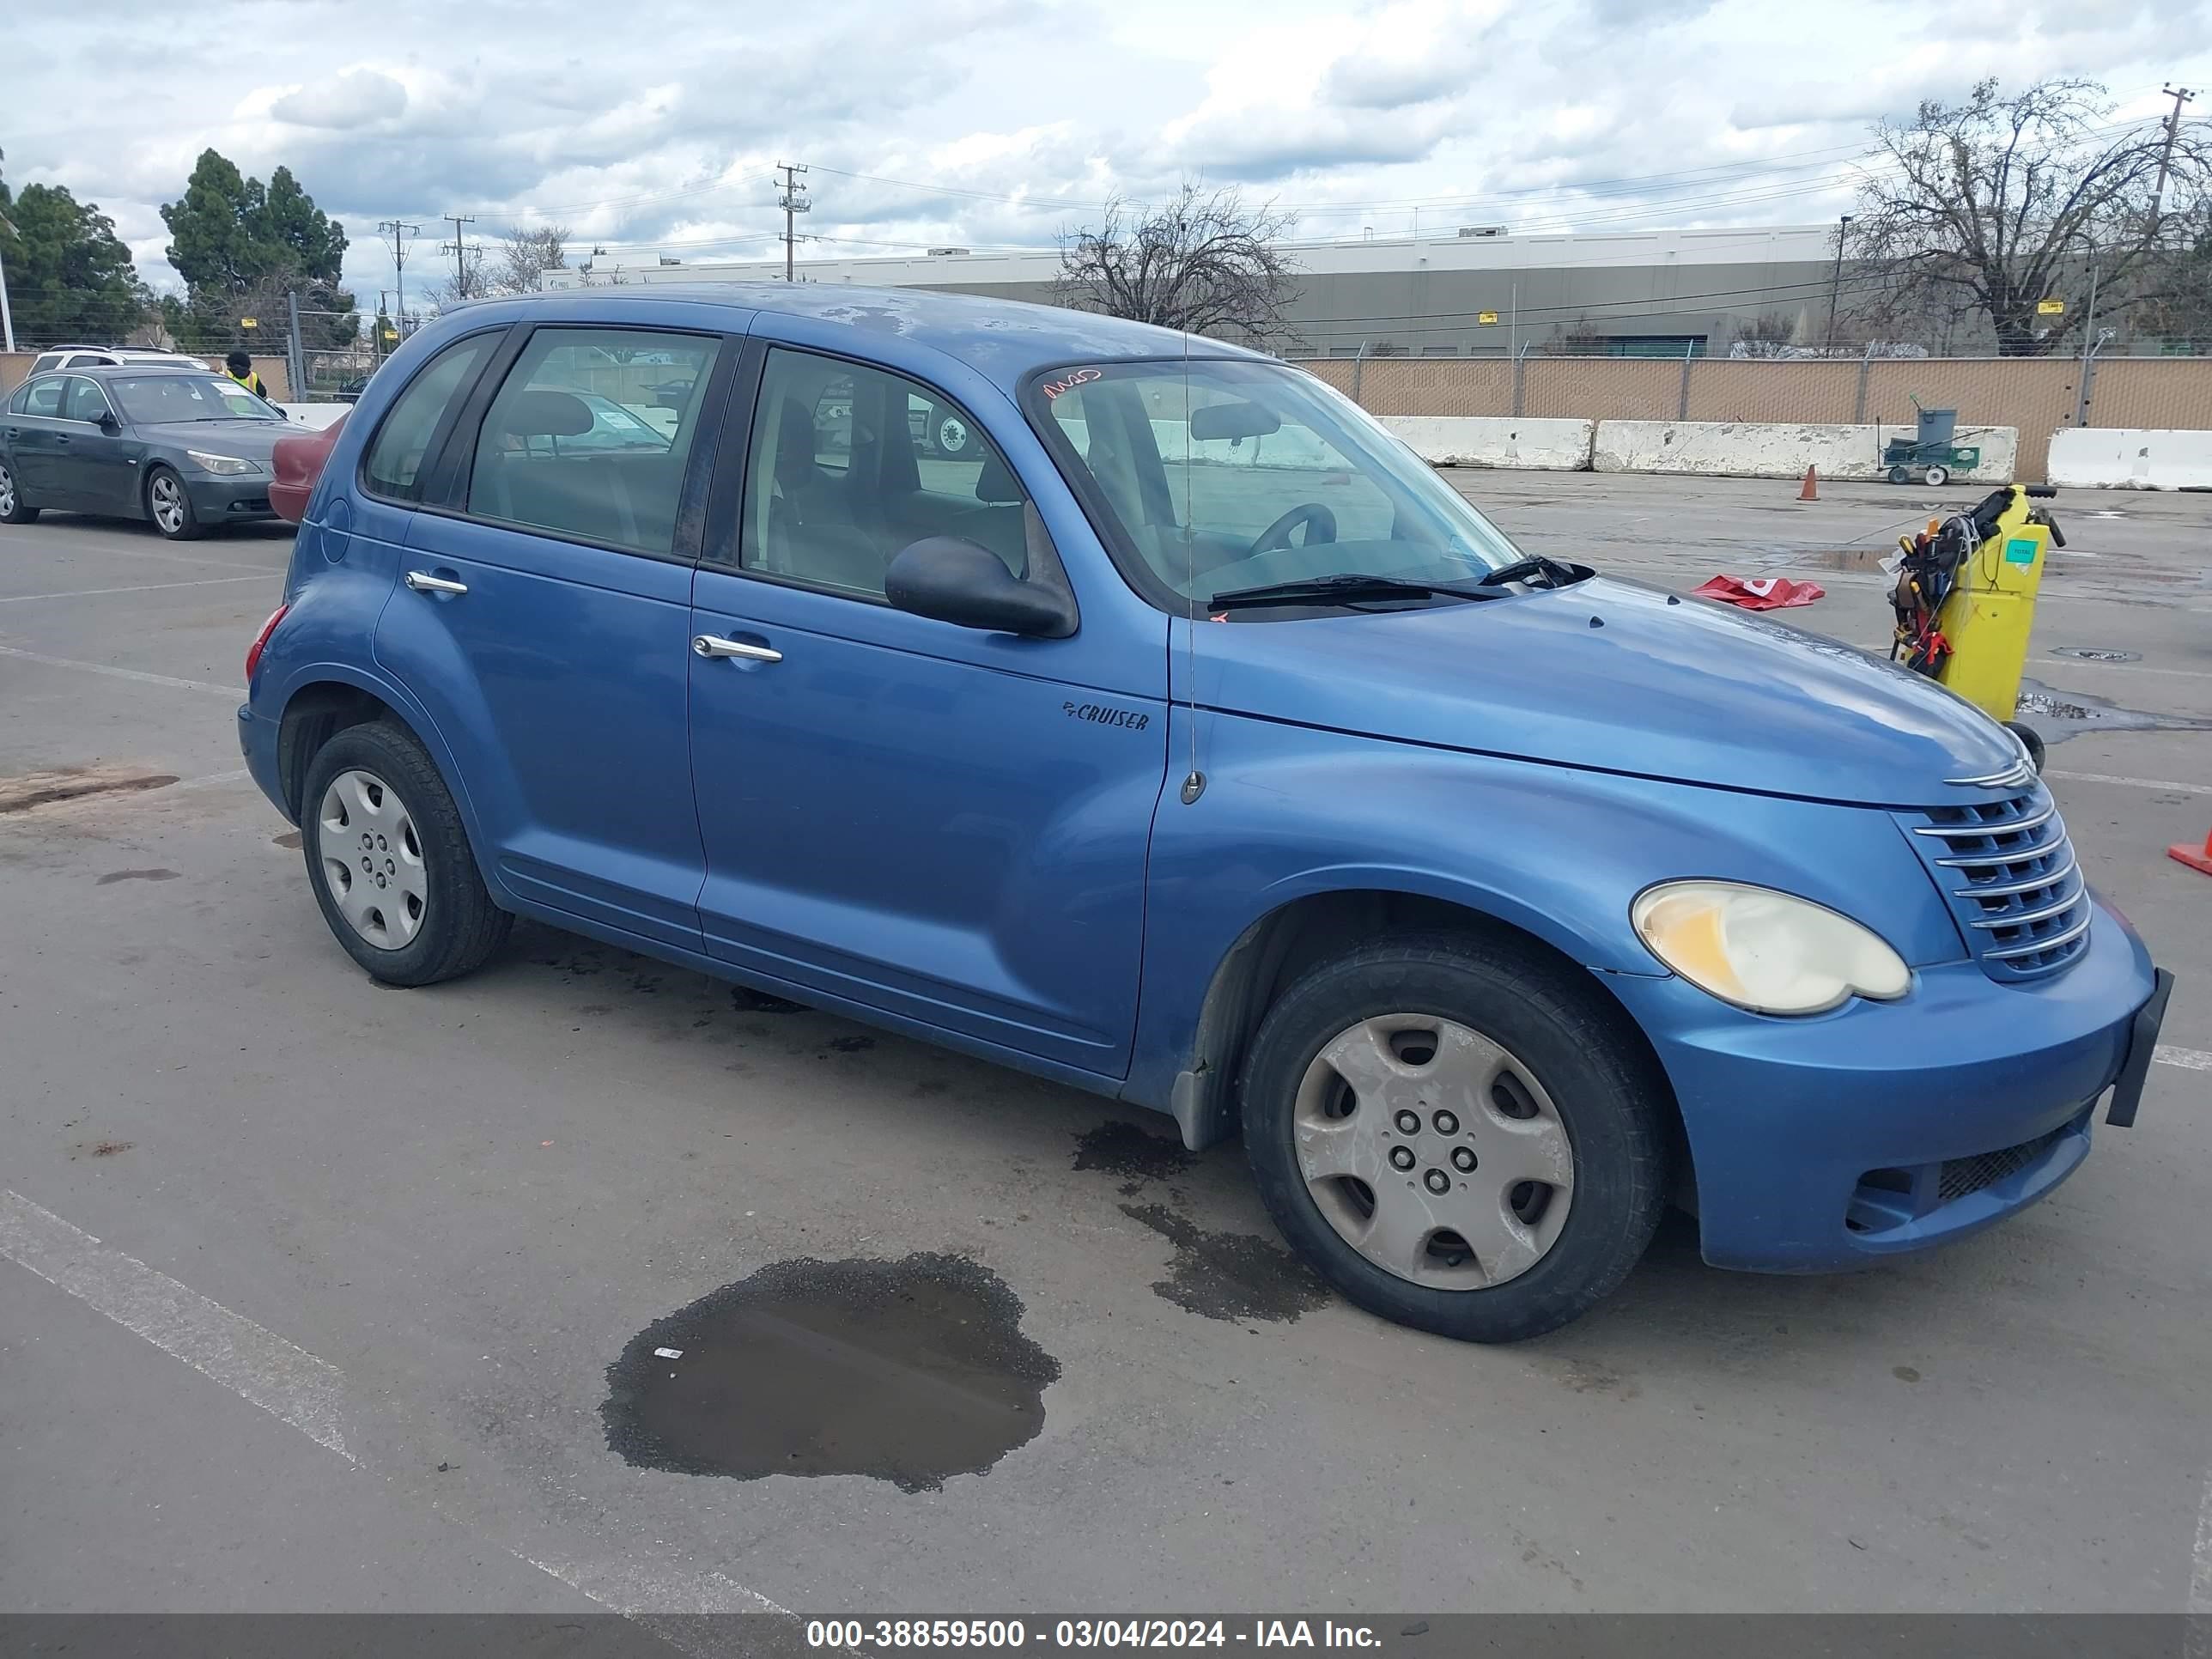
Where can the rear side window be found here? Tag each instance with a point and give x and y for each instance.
(49, 360)
(91, 359)
(39, 398)
(590, 434)
(394, 468)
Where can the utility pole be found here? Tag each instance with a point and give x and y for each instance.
(1836, 282)
(7, 317)
(2181, 95)
(460, 256)
(396, 231)
(794, 202)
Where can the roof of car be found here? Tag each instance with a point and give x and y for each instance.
(1004, 338)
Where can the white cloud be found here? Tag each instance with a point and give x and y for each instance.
(654, 124)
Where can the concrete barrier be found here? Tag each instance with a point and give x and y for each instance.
(1748, 450)
(2120, 458)
(1497, 441)
(316, 417)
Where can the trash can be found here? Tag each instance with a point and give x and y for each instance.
(1937, 427)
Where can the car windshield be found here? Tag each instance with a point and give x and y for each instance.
(1225, 475)
(148, 399)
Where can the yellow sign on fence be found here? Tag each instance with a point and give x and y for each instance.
(249, 322)
(1487, 318)
(2050, 307)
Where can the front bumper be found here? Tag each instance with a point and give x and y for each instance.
(1828, 1143)
(243, 500)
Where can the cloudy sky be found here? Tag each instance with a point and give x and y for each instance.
(652, 125)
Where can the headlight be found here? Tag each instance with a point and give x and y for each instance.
(229, 464)
(1765, 951)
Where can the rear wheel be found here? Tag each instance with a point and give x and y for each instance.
(1457, 1135)
(14, 509)
(1938, 476)
(169, 505)
(390, 861)
(1900, 474)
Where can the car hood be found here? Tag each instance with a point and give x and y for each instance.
(1615, 677)
(251, 441)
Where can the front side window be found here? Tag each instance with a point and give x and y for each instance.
(40, 397)
(841, 477)
(394, 466)
(1222, 474)
(84, 401)
(581, 439)
(150, 399)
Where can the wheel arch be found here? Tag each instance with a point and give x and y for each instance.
(1278, 947)
(326, 699)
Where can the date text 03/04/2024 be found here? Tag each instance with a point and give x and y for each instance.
(866, 1634)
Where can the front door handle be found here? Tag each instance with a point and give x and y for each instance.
(423, 582)
(711, 645)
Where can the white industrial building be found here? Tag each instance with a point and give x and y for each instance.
(1474, 291)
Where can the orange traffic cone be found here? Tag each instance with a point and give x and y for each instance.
(2194, 857)
(1811, 491)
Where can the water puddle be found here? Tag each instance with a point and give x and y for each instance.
(910, 1371)
(2056, 715)
(1232, 1276)
(1133, 1154)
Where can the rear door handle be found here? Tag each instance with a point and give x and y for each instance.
(711, 645)
(423, 582)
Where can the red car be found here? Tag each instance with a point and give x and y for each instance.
(298, 462)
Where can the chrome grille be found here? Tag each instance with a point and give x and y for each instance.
(2008, 870)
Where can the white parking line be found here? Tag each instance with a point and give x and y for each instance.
(2134, 783)
(140, 587)
(49, 544)
(139, 675)
(2189, 1060)
(255, 1364)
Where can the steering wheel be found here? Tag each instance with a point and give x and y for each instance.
(1319, 523)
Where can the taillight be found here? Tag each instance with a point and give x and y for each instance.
(261, 640)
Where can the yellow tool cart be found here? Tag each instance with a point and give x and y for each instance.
(1966, 594)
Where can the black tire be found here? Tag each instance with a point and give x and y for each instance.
(181, 524)
(1898, 475)
(14, 509)
(1606, 1089)
(460, 927)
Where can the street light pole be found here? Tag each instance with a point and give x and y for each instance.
(1836, 282)
(7, 317)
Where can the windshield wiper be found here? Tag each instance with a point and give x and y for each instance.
(1347, 589)
(1555, 574)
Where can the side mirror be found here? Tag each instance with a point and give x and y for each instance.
(107, 422)
(955, 581)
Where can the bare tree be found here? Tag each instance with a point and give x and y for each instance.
(1201, 262)
(523, 255)
(1580, 339)
(1989, 204)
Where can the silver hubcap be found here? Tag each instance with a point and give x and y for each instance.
(7, 491)
(373, 860)
(1433, 1152)
(168, 504)
(951, 436)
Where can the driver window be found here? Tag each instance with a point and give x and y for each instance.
(849, 465)
(84, 401)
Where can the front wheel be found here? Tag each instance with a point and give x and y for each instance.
(1457, 1134)
(390, 861)
(1900, 474)
(14, 509)
(1938, 476)
(169, 504)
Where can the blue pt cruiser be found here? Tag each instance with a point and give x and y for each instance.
(1179, 735)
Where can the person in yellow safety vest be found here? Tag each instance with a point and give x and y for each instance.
(241, 368)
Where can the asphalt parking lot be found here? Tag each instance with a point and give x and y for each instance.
(314, 1287)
